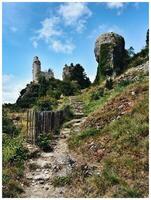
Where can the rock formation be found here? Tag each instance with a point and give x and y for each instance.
(109, 53)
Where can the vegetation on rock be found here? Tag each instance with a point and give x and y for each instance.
(76, 73)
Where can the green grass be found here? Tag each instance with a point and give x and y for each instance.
(96, 98)
(76, 140)
(92, 105)
(127, 192)
(130, 128)
(111, 176)
(60, 181)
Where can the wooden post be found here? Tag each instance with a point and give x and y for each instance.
(27, 125)
(34, 127)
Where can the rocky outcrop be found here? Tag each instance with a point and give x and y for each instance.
(109, 52)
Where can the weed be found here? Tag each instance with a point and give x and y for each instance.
(60, 181)
(111, 176)
(127, 192)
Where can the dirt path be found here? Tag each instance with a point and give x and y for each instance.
(41, 171)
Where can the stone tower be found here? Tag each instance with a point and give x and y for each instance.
(36, 69)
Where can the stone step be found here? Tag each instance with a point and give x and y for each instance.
(78, 115)
(65, 131)
(70, 123)
(77, 124)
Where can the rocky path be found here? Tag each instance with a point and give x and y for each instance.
(41, 171)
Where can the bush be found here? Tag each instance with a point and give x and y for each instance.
(109, 84)
(124, 83)
(96, 95)
(68, 88)
(8, 126)
(14, 155)
(43, 141)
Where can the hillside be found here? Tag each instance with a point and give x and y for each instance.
(114, 139)
(101, 148)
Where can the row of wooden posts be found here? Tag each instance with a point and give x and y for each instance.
(45, 122)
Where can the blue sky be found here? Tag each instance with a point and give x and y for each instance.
(61, 33)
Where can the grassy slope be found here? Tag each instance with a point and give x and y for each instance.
(115, 139)
(14, 156)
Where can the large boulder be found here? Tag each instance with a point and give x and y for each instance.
(109, 53)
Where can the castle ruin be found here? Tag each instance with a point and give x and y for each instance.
(36, 71)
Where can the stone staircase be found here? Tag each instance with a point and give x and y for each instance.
(77, 107)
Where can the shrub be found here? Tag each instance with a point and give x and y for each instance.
(44, 106)
(68, 88)
(14, 155)
(43, 141)
(96, 95)
(8, 126)
(124, 83)
(109, 84)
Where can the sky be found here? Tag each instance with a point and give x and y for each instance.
(62, 33)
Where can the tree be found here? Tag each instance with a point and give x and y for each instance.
(43, 86)
(131, 52)
(147, 39)
(76, 73)
(8, 126)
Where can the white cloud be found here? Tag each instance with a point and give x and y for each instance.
(119, 6)
(53, 29)
(75, 14)
(64, 47)
(35, 44)
(11, 87)
(13, 29)
(49, 28)
(116, 5)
